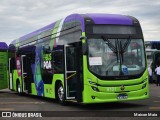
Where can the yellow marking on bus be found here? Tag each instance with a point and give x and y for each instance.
(154, 108)
(6, 109)
(71, 76)
(75, 101)
(24, 77)
(5, 103)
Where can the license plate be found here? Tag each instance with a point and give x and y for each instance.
(122, 96)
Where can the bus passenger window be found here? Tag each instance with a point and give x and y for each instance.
(71, 66)
(58, 59)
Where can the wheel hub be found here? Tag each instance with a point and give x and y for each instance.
(61, 93)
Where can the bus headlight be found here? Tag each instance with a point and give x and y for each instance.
(93, 83)
(95, 88)
(143, 86)
(144, 80)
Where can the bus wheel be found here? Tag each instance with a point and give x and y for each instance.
(18, 88)
(60, 94)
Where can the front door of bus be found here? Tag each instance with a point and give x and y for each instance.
(70, 71)
(24, 74)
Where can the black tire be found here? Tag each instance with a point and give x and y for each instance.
(19, 88)
(60, 93)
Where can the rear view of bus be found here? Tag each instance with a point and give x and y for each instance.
(3, 65)
(115, 62)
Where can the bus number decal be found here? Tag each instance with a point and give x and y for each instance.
(111, 89)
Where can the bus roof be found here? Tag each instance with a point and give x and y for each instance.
(111, 19)
(97, 19)
(3, 46)
(153, 41)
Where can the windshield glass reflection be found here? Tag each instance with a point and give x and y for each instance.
(116, 57)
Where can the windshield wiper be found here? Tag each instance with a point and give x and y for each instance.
(118, 49)
(124, 48)
(111, 46)
(121, 51)
(126, 44)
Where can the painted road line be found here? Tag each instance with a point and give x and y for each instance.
(6, 109)
(156, 101)
(5, 103)
(12, 98)
(154, 108)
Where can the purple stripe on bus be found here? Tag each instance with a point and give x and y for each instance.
(35, 32)
(110, 19)
(38, 31)
(3, 46)
(68, 19)
(75, 17)
(97, 18)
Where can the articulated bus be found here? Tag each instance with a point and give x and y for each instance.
(83, 58)
(3, 65)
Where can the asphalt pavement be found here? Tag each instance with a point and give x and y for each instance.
(10, 101)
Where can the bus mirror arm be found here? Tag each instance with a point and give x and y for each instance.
(84, 44)
(83, 37)
(84, 49)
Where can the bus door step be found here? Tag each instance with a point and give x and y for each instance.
(25, 91)
(72, 91)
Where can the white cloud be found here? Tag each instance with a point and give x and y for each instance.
(19, 17)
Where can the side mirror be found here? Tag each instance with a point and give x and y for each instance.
(83, 37)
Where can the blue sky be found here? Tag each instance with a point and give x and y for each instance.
(19, 17)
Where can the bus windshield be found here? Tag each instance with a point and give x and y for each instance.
(116, 57)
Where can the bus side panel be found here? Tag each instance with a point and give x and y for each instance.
(49, 89)
(3, 70)
(15, 78)
(33, 89)
(87, 77)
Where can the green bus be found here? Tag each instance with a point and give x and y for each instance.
(153, 59)
(3, 65)
(84, 58)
